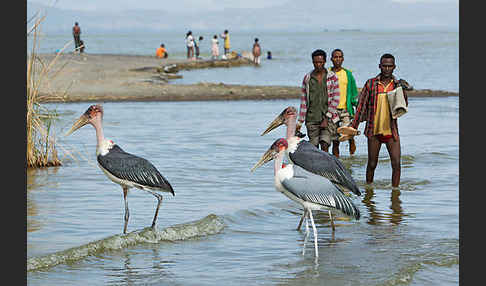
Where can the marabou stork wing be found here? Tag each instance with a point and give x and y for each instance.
(316, 189)
(324, 164)
(132, 168)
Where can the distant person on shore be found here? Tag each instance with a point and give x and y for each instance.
(77, 36)
(161, 52)
(318, 102)
(190, 45)
(257, 51)
(214, 48)
(348, 98)
(226, 38)
(380, 127)
(196, 45)
(269, 55)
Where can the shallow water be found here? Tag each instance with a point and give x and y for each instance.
(408, 236)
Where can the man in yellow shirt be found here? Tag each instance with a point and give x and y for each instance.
(380, 127)
(161, 52)
(348, 97)
(226, 38)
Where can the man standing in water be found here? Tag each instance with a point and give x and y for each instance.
(348, 97)
(257, 51)
(318, 103)
(77, 36)
(380, 127)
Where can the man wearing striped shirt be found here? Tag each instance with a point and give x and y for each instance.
(381, 127)
(318, 103)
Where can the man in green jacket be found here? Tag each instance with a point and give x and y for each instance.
(348, 99)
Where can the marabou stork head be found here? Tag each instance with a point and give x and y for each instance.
(280, 145)
(93, 115)
(287, 114)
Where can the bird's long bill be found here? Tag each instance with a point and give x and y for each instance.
(275, 123)
(83, 120)
(267, 157)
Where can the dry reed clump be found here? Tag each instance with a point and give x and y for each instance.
(41, 142)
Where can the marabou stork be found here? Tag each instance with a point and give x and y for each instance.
(312, 191)
(121, 167)
(303, 154)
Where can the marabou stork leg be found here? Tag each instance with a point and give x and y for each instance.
(127, 212)
(315, 232)
(159, 201)
(306, 231)
(302, 219)
(332, 221)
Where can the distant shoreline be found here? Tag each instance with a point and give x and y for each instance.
(115, 77)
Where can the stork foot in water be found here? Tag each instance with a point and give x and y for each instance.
(127, 212)
(159, 202)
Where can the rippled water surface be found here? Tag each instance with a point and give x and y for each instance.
(408, 236)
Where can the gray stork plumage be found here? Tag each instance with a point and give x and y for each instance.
(312, 191)
(311, 158)
(125, 169)
(302, 153)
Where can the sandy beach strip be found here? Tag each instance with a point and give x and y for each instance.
(110, 77)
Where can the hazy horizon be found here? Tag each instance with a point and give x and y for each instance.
(274, 15)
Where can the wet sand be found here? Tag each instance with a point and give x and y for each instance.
(108, 77)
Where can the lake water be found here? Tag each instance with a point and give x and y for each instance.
(408, 236)
(426, 59)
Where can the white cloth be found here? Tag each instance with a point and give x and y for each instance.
(190, 41)
(396, 100)
(214, 47)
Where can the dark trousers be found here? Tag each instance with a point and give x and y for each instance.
(77, 41)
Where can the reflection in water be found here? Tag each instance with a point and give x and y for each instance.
(396, 205)
(151, 270)
(37, 179)
(32, 224)
(376, 217)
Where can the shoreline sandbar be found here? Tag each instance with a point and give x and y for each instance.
(110, 77)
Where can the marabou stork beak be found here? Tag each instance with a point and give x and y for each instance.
(83, 120)
(275, 123)
(267, 157)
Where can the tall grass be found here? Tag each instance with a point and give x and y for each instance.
(41, 140)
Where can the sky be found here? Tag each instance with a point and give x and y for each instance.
(171, 6)
(124, 15)
(183, 5)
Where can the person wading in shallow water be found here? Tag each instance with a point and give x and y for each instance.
(318, 103)
(77, 36)
(348, 97)
(257, 51)
(380, 128)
